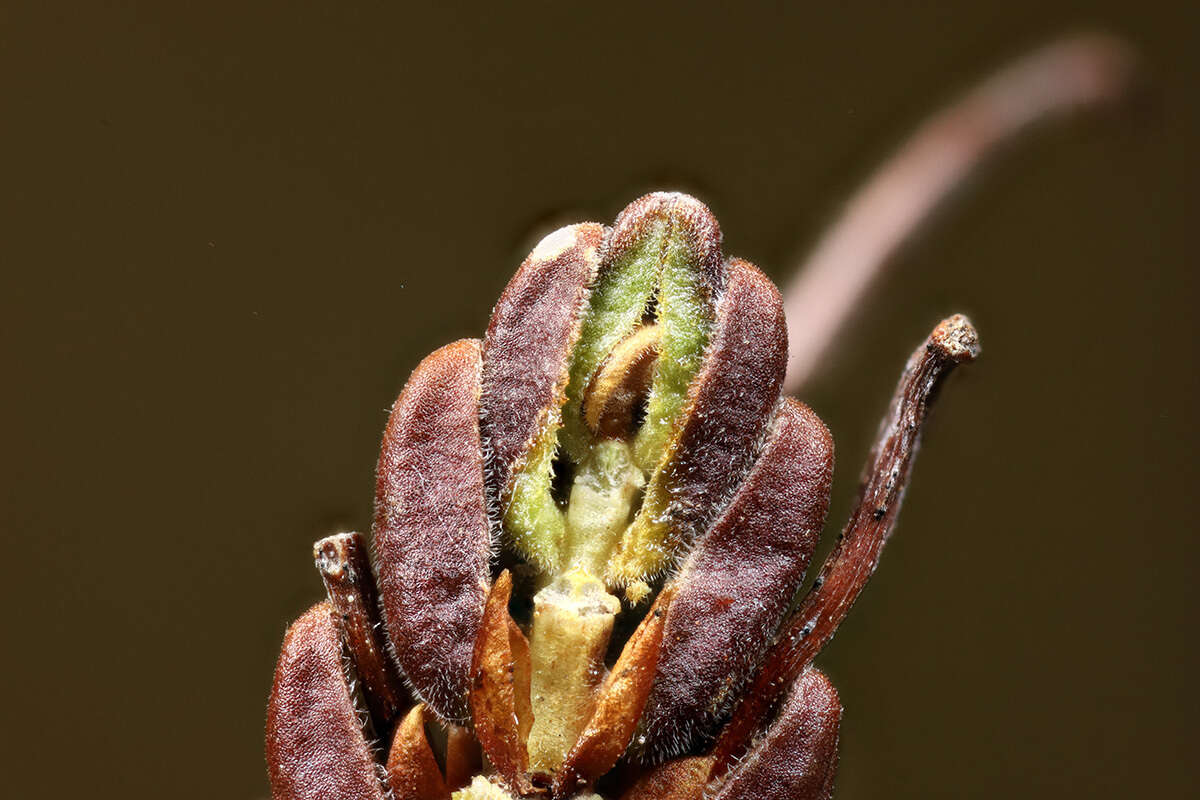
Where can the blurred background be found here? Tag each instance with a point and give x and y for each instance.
(231, 230)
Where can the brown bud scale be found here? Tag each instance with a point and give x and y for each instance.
(315, 743)
(736, 584)
(432, 536)
(528, 345)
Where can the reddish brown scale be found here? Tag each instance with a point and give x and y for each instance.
(432, 538)
(497, 682)
(686, 215)
(856, 555)
(797, 758)
(345, 569)
(527, 350)
(731, 399)
(315, 743)
(737, 582)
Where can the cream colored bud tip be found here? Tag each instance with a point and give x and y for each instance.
(555, 244)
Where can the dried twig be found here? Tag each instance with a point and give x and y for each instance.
(345, 569)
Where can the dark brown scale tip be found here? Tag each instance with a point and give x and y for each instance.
(797, 758)
(856, 555)
(684, 214)
(737, 582)
(432, 539)
(345, 569)
(528, 346)
(316, 748)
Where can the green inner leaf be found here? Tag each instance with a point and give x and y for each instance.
(618, 303)
(658, 270)
(685, 314)
(532, 520)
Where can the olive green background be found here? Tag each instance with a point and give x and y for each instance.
(231, 230)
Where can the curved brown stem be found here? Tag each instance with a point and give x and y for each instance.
(852, 562)
(1071, 73)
